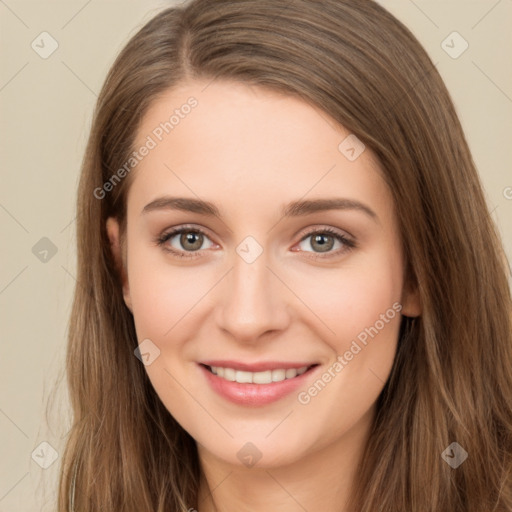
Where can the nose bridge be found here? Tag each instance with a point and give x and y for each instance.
(252, 301)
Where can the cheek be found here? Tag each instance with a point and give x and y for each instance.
(361, 304)
(356, 296)
(159, 302)
(162, 295)
(166, 302)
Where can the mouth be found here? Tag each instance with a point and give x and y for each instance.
(257, 384)
(259, 377)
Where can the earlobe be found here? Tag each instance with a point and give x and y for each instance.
(112, 227)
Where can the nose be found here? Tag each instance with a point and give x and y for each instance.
(254, 302)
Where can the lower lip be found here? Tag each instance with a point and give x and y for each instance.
(254, 394)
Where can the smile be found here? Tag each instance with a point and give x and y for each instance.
(265, 377)
(255, 384)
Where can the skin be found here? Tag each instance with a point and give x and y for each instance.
(251, 151)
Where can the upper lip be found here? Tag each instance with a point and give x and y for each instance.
(257, 367)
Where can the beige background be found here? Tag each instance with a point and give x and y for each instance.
(46, 107)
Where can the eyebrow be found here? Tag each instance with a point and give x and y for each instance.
(293, 209)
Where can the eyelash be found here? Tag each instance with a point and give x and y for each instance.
(164, 237)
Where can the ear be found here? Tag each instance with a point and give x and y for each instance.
(411, 301)
(115, 246)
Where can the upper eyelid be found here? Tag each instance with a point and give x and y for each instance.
(185, 228)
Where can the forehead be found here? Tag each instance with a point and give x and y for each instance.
(249, 147)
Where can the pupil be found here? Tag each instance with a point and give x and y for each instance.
(193, 239)
(323, 245)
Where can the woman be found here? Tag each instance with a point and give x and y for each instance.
(338, 334)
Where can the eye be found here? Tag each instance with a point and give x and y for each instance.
(322, 242)
(183, 240)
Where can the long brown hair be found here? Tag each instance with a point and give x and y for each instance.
(452, 376)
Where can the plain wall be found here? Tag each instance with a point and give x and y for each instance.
(46, 108)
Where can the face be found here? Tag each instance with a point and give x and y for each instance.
(237, 263)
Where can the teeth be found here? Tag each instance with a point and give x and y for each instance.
(265, 377)
(229, 374)
(262, 377)
(243, 377)
(292, 372)
(278, 375)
